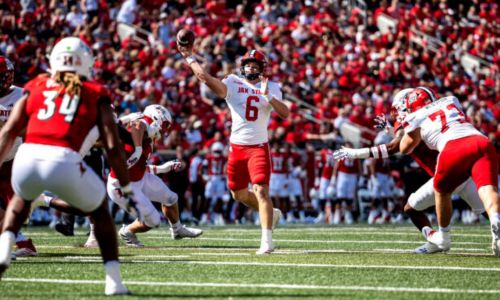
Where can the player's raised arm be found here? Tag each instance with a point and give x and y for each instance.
(185, 40)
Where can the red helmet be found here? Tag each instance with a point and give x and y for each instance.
(253, 56)
(6, 74)
(418, 98)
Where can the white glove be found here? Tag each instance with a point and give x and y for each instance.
(333, 181)
(349, 153)
(134, 158)
(173, 165)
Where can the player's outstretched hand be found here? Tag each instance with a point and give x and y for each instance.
(382, 123)
(343, 153)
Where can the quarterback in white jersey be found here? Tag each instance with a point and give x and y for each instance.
(463, 152)
(251, 100)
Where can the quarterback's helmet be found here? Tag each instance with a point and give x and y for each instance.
(6, 74)
(253, 56)
(71, 54)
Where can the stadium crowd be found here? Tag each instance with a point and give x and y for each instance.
(330, 56)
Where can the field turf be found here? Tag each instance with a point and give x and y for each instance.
(311, 262)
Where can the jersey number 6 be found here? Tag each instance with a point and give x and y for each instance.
(251, 112)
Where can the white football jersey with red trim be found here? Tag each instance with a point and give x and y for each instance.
(440, 122)
(7, 103)
(250, 112)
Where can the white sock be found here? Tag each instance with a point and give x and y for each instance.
(112, 269)
(267, 238)
(175, 226)
(445, 229)
(20, 237)
(92, 226)
(7, 240)
(426, 231)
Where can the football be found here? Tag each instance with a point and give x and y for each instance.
(185, 37)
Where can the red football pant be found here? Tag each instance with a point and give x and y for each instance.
(471, 156)
(248, 164)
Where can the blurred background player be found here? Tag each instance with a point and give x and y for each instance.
(278, 184)
(251, 99)
(9, 95)
(58, 112)
(216, 193)
(346, 174)
(326, 185)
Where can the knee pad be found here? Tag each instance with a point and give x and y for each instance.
(152, 220)
(171, 200)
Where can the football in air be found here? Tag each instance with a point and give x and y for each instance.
(185, 38)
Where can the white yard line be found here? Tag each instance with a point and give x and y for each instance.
(266, 286)
(268, 264)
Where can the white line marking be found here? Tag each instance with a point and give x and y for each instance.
(266, 286)
(265, 264)
(219, 254)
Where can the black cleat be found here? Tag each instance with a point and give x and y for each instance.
(65, 229)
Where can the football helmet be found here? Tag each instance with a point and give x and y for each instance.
(217, 147)
(71, 54)
(398, 109)
(160, 115)
(253, 56)
(6, 74)
(418, 98)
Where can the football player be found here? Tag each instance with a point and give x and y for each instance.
(251, 99)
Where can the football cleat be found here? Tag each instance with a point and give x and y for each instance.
(25, 249)
(91, 241)
(265, 250)
(427, 248)
(185, 232)
(129, 238)
(114, 288)
(440, 239)
(276, 217)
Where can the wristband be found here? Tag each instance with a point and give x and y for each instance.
(380, 151)
(190, 59)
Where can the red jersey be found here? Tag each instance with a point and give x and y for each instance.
(327, 163)
(348, 166)
(279, 163)
(58, 119)
(137, 171)
(423, 156)
(215, 164)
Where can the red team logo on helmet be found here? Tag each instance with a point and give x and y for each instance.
(253, 56)
(418, 98)
(6, 74)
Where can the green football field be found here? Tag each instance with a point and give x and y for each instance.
(356, 262)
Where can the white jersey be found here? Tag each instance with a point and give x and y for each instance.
(7, 103)
(440, 122)
(250, 113)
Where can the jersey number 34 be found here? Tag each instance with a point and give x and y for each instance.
(69, 105)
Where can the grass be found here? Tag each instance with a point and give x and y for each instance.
(356, 262)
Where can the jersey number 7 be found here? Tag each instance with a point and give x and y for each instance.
(441, 114)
